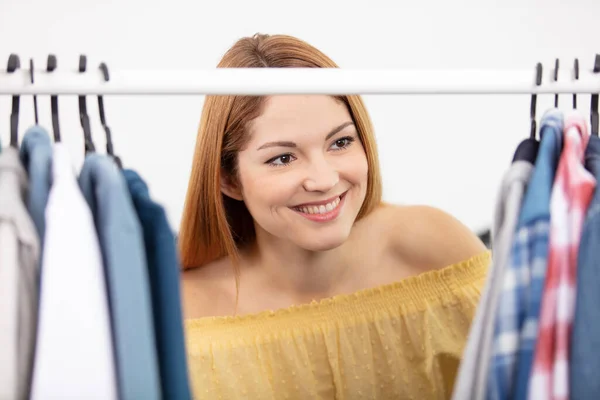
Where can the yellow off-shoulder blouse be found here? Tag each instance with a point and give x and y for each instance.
(402, 340)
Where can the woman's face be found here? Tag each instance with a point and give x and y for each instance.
(303, 173)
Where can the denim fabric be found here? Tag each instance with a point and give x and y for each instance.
(585, 337)
(122, 245)
(164, 272)
(515, 327)
(36, 156)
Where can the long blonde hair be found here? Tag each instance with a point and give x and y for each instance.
(214, 225)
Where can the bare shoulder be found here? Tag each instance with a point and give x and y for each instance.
(208, 290)
(425, 236)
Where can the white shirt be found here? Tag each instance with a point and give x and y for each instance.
(74, 354)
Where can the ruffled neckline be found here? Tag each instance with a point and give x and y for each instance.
(416, 291)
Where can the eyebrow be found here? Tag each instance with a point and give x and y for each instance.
(292, 144)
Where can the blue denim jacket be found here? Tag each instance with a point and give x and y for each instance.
(164, 271)
(585, 337)
(124, 256)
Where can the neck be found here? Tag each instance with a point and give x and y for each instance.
(301, 274)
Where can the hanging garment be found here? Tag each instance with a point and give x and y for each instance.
(527, 262)
(530, 248)
(397, 341)
(474, 367)
(164, 271)
(122, 245)
(571, 194)
(74, 351)
(585, 363)
(36, 156)
(19, 261)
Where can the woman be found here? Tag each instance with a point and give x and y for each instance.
(299, 282)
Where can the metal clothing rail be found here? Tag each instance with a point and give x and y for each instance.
(263, 81)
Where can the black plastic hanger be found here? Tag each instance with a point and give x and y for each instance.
(83, 115)
(527, 150)
(109, 143)
(556, 80)
(51, 66)
(538, 82)
(594, 103)
(576, 71)
(13, 64)
(35, 109)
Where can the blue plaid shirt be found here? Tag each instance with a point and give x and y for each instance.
(515, 327)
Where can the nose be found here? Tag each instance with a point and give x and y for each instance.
(321, 176)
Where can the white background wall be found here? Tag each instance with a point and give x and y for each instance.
(446, 151)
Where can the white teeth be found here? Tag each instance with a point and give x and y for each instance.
(320, 209)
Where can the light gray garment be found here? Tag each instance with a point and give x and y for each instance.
(473, 371)
(19, 269)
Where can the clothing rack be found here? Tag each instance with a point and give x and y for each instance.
(263, 81)
(153, 364)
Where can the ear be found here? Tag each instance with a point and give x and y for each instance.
(230, 187)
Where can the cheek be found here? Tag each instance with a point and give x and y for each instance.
(355, 167)
(263, 187)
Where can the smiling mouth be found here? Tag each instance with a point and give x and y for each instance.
(322, 209)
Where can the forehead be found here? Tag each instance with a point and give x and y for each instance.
(291, 115)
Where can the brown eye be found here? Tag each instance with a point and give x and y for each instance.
(342, 143)
(284, 159)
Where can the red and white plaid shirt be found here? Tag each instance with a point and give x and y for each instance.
(571, 194)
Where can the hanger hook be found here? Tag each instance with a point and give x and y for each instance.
(51, 65)
(576, 71)
(13, 64)
(594, 102)
(35, 107)
(106, 77)
(109, 143)
(538, 82)
(83, 115)
(556, 80)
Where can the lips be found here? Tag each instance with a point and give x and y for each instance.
(320, 208)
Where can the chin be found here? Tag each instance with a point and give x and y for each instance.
(317, 243)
